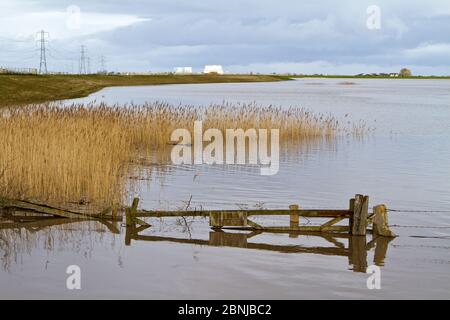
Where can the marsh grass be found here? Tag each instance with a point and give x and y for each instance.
(16, 89)
(84, 154)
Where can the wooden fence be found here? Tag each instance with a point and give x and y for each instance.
(357, 216)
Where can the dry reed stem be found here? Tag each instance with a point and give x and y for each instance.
(83, 153)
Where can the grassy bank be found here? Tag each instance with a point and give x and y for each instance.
(85, 154)
(25, 89)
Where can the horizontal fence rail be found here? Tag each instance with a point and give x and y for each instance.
(357, 215)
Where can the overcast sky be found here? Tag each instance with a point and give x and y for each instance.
(332, 37)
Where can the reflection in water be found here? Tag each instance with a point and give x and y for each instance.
(356, 250)
(19, 233)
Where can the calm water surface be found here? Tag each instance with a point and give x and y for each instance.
(405, 164)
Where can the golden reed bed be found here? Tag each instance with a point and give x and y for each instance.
(83, 153)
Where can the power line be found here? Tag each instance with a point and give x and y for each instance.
(47, 52)
(62, 54)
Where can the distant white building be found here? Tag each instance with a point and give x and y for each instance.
(213, 69)
(183, 70)
(19, 70)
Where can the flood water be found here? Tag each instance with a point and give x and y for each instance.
(404, 163)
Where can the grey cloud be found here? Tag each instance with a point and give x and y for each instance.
(256, 33)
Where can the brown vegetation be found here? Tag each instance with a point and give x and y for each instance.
(25, 89)
(84, 153)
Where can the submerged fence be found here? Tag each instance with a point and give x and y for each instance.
(357, 216)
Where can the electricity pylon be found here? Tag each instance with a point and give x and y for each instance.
(82, 67)
(43, 60)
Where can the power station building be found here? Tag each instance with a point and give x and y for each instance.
(216, 69)
(183, 70)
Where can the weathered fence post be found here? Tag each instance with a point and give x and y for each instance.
(358, 253)
(380, 222)
(294, 217)
(360, 214)
(131, 213)
(129, 230)
(218, 220)
(114, 212)
(351, 207)
(382, 244)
